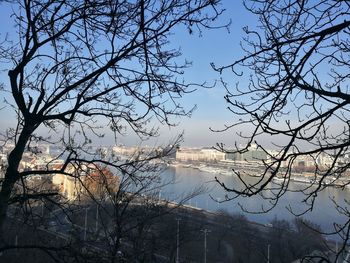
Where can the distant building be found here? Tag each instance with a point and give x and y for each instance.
(127, 151)
(203, 155)
(135, 152)
(3, 164)
(307, 163)
(86, 181)
(253, 154)
(325, 160)
(31, 161)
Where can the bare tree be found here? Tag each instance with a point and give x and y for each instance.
(75, 67)
(296, 67)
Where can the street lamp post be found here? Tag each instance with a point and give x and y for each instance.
(218, 202)
(268, 253)
(97, 206)
(159, 196)
(85, 228)
(178, 241)
(205, 231)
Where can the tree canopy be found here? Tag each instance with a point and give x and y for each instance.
(76, 66)
(296, 67)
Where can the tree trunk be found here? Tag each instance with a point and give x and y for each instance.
(12, 174)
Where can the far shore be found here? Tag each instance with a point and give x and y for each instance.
(255, 169)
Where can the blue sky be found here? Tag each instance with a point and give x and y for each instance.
(218, 46)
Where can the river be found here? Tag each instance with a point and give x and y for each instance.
(188, 179)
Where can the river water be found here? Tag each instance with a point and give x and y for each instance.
(187, 180)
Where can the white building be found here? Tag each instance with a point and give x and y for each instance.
(204, 155)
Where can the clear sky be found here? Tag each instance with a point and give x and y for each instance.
(218, 46)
